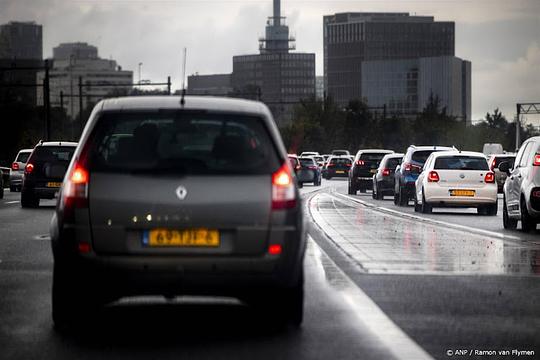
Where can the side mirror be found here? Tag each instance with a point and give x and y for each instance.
(505, 167)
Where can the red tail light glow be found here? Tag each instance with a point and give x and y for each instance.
(536, 160)
(84, 247)
(489, 178)
(283, 191)
(386, 172)
(75, 192)
(312, 167)
(536, 193)
(15, 166)
(274, 249)
(348, 165)
(360, 162)
(29, 168)
(433, 176)
(493, 164)
(407, 166)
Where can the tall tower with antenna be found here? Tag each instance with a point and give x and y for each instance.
(277, 39)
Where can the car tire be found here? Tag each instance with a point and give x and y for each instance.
(491, 210)
(352, 189)
(29, 200)
(417, 206)
(374, 193)
(527, 223)
(508, 223)
(300, 184)
(426, 208)
(1, 192)
(403, 199)
(379, 195)
(13, 188)
(362, 190)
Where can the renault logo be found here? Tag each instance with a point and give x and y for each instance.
(181, 192)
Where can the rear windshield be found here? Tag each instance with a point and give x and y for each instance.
(340, 161)
(318, 158)
(182, 142)
(420, 157)
(461, 163)
(52, 154)
(393, 162)
(23, 157)
(372, 156)
(307, 162)
(509, 159)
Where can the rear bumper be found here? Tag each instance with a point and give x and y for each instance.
(15, 178)
(44, 193)
(306, 175)
(335, 173)
(386, 186)
(440, 196)
(363, 181)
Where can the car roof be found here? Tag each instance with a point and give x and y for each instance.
(25, 150)
(504, 155)
(458, 153)
(375, 151)
(431, 147)
(393, 155)
(57, 143)
(211, 103)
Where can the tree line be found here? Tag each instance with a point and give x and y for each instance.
(321, 125)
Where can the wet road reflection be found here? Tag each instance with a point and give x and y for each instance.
(383, 243)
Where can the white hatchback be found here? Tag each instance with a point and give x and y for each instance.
(456, 179)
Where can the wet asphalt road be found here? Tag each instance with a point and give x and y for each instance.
(437, 309)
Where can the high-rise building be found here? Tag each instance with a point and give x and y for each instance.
(99, 77)
(21, 46)
(352, 38)
(276, 76)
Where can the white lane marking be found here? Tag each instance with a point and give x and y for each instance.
(432, 221)
(367, 312)
(12, 202)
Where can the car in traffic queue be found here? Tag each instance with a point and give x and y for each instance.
(494, 161)
(309, 153)
(45, 170)
(196, 198)
(17, 170)
(340, 153)
(364, 166)
(456, 179)
(383, 180)
(338, 166)
(309, 171)
(521, 191)
(409, 169)
(319, 160)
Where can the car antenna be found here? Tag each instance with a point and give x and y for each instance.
(182, 98)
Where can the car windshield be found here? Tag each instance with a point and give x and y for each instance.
(372, 156)
(43, 154)
(182, 142)
(461, 163)
(307, 162)
(340, 161)
(392, 163)
(420, 157)
(500, 159)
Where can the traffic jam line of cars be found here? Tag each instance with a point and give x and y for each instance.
(445, 177)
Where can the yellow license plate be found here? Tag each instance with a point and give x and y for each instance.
(340, 172)
(54, 184)
(181, 238)
(461, 192)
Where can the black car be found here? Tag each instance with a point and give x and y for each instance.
(364, 167)
(383, 180)
(407, 173)
(45, 170)
(309, 171)
(337, 166)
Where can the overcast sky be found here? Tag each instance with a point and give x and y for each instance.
(500, 37)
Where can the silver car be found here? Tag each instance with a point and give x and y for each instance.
(522, 187)
(17, 170)
(165, 198)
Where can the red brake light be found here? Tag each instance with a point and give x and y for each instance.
(433, 176)
(283, 191)
(75, 190)
(84, 247)
(489, 178)
(15, 166)
(536, 160)
(360, 162)
(274, 249)
(79, 176)
(536, 193)
(330, 165)
(312, 167)
(386, 172)
(408, 166)
(493, 164)
(29, 168)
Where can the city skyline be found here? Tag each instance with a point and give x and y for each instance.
(503, 45)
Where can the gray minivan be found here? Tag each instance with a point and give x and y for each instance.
(169, 198)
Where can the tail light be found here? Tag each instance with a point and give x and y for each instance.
(407, 166)
(312, 167)
(493, 164)
(15, 166)
(330, 165)
(283, 191)
(29, 168)
(535, 193)
(75, 192)
(489, 178)
(298, 167)
(433, 176)
(348, 164)
(386, 172)
(274, 249)
(360, 162)
(536, 160)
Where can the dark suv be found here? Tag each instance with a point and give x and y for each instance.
(168, 197)
(407, 173)
(44, 171)
(337, 166)
(383, 180)
(364, 166)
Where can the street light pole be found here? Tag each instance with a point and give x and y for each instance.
(140, 67)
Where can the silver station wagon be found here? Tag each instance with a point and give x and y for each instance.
(170, 197)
